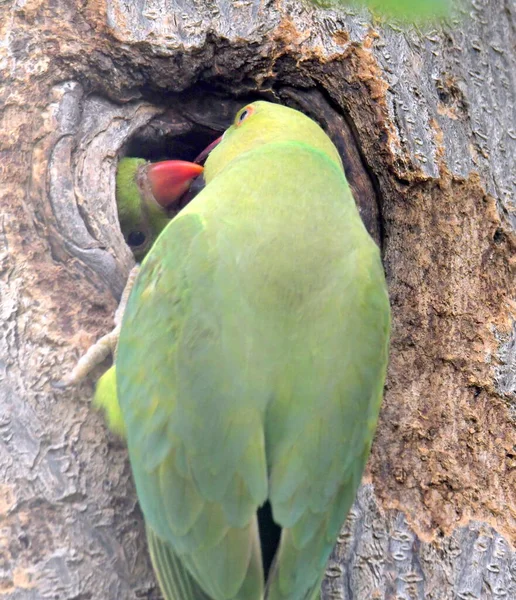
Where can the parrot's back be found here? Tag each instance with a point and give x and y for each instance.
(265, 309)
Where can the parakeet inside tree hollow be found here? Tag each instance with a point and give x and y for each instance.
(147, 194)
(251, 365)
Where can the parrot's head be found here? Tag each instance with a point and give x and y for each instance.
(148, 196)
(263, 123)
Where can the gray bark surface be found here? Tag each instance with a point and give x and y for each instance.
(425, 120)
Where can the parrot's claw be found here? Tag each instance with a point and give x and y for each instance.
(95, 354)
(103, 347)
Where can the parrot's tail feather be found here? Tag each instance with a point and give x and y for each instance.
(273, 589)
(314, 593)
(174, 580)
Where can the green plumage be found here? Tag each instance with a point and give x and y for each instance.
(251, 365)
(106, 399)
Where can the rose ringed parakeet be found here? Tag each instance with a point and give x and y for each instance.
(251, 365)
(146, 194)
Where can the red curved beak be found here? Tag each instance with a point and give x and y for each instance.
(170, 179)
(204, 154)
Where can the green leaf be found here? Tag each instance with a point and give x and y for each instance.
(408, 10)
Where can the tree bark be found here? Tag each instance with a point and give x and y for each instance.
(425, 121)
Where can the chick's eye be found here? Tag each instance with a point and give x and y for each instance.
(136, 238)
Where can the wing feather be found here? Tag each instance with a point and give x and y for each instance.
(198, 459)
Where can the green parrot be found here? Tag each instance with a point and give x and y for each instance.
(146, 194)
(251, 365)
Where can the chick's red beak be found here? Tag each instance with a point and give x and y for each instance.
(204, 154)
(170, 179)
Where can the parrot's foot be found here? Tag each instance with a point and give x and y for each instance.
(95, 354)
(103, 347)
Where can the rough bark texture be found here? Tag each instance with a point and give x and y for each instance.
(425, 121)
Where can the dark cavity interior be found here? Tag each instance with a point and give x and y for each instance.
(270, 533)
(156, 146)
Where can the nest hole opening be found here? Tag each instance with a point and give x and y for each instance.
(192, 120)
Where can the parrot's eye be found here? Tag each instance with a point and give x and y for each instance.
(247, 112)
(136, 238)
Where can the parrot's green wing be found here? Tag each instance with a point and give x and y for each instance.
(318, 449)
(196, 447)
(174, 579)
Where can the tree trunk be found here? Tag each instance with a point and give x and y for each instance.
(425, 121)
